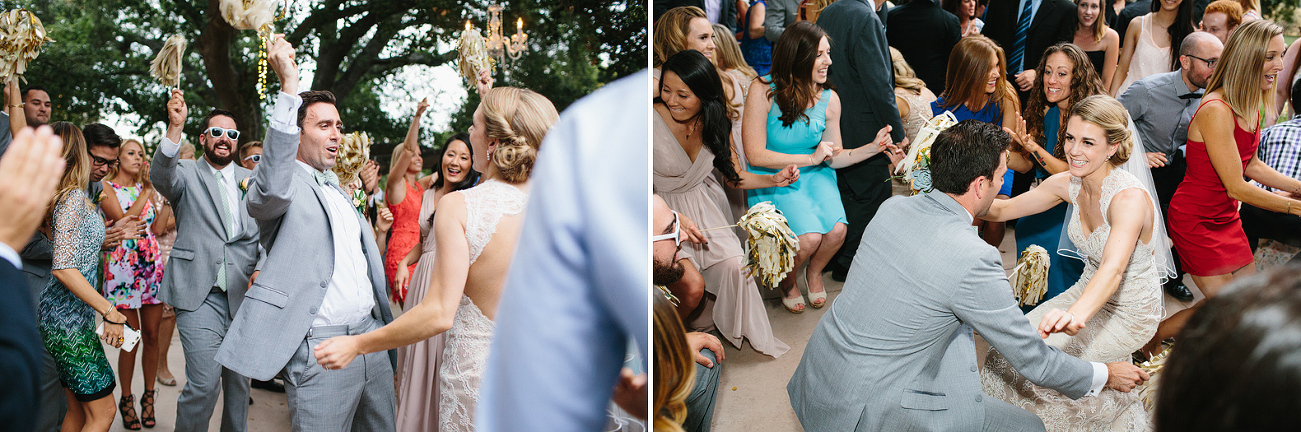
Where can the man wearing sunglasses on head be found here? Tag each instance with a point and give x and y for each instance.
(211, 263)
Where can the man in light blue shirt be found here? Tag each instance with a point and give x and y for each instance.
(579, 287)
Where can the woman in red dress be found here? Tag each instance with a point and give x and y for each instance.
(403, 192)
(1222, 141)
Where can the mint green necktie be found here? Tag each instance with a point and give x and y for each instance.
(229, 224)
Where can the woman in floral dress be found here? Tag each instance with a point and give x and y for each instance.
(132, 275)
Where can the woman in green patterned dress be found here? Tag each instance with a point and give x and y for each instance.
(69, 303)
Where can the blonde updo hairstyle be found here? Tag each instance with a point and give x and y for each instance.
(518, 119)
(1110, 115)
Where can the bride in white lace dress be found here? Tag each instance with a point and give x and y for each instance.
(1115, 227)
(475, 233)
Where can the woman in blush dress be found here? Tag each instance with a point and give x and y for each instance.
(418, 363)
(1222, 141)
(474, 233)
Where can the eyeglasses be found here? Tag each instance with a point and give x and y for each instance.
(99, 161)
(1209, 63)
(257, 158)
(216, 132)
(676, 235)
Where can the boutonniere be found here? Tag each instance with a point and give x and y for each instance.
(98, 198)
(359, 200)
(243, 187)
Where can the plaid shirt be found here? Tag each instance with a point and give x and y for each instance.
(1280, 148)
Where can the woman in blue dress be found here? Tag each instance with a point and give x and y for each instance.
(1065, 77)
(793, 117)
(976, 88)
(69, 303)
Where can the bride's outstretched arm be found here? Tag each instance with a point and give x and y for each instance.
(1049, 193)
(435, 312)
(1129, 214)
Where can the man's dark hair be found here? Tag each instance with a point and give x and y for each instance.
(47, 92)
(215, 112)
(311, 97)
(100, 135)
(964, 152)
(1296, 96)
(1237, 366)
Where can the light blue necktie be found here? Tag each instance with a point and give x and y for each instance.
(228, 223)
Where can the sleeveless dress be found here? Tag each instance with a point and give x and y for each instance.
(418, 363)
(811, 204)
(1045, 228)
(690, 188)
(465, 352)
(1148, 58)
(919, 110)
(1204, 223)
(1098, 58)
(756, 52)
(404, 236)
(1126, 322)
(134, 269)
(68, 324)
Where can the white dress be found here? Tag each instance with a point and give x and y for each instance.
(1126, 322)
(465, 354)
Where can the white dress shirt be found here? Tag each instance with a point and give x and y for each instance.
(9, 254)
(348, 298)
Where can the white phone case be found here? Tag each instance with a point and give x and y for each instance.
(130, 336)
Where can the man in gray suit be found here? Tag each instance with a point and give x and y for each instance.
(322, 276)
(896, 350)
(214, 255)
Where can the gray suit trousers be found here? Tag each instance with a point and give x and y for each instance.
(202, 331)
(53, 404)
(1003, 416)
(357, 398)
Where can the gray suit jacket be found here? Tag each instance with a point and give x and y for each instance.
(290, 212)
(896, 350)
(201, 234)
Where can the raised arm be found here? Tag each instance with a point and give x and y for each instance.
(1049, 193)
(14, 106)
(396, 187)
(1043, 156)
(162, 169)
(1126, 55)
(272, 189)
(435, 312)
(754, 134)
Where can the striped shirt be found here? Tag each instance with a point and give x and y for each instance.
(1280, 148)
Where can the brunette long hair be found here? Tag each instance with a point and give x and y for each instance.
(1084, 83)
(792, 70)
(716, 127)
(964, 82)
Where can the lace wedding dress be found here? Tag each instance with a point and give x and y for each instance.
(465, 354)
(1126, 322)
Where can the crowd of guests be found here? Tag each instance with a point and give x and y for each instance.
(232, 250)
(1163, 111)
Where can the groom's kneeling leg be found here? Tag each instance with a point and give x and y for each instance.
(1003, 416)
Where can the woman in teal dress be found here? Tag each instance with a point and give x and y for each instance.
(1065, 77)
(793, 117)
(69, 304)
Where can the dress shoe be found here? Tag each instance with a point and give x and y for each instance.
(1179, 291)
(839, 273)
(271, 386)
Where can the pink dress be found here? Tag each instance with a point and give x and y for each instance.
(418, 363)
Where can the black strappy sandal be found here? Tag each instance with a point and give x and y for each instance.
(127, 407)
(147, 408)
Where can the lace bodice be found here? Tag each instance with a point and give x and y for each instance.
(1142, 263)
(466, 349)
(484, 207)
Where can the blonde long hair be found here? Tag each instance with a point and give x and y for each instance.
(77, 174)
(903, 73)
(675, 372)
(729, 53)
(518, 119)
(1099, 25)
(143, 175)
(671, 37)
(1241, 66)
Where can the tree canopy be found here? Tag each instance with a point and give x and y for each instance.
(98, 64)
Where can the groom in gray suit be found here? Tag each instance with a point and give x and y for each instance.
(322, 276)
(214, 254)
(896, 350)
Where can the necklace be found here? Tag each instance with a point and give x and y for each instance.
(691, 129)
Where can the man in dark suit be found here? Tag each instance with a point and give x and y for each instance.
(1049, 22)
(28, 173)
(925, 34)
(864, 78)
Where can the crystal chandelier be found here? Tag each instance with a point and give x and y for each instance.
(499, 46)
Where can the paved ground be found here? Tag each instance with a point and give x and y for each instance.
(752, 392)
